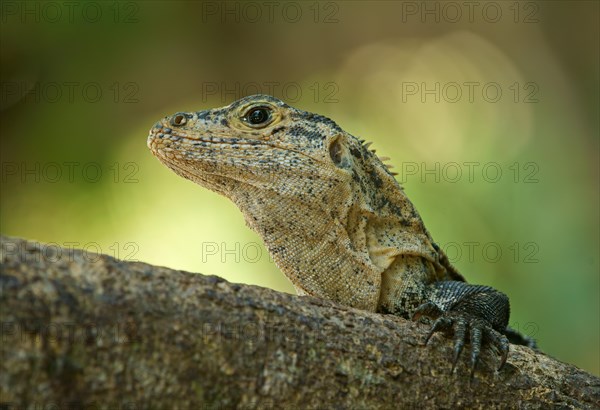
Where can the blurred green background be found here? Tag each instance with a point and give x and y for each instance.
(489, 113)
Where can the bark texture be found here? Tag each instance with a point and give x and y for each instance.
(82, 330)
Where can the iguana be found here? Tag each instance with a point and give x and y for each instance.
(332, 215)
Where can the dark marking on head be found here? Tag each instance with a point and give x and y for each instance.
(395, 209)
(376, 180)
(317, 118)
(298, 131)
(202, 114)
(356, 152)
(315, 135)
(413, 213)
(235, 104)
(277, 129)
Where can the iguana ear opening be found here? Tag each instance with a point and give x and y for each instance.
(338, 152)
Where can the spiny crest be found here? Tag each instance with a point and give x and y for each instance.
(382, 159)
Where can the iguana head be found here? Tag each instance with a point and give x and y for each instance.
(320, 199)
(260, 141)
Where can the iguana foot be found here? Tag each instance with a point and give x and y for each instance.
(478, 331)
(480, 311)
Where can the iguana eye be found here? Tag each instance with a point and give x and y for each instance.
(258, 116)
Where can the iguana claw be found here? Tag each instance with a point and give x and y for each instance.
(459, 323)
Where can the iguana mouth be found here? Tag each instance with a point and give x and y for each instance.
(159, 132)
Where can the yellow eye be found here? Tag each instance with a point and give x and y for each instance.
(258, 116)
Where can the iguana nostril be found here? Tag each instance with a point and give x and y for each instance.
(178, 120)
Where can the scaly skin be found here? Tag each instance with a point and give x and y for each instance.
(331, 214)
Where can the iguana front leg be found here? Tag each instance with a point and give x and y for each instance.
(410, 288)
(459, 307)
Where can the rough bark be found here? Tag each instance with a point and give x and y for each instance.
(83, 330)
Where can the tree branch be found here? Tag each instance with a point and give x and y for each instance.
(86, 329)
